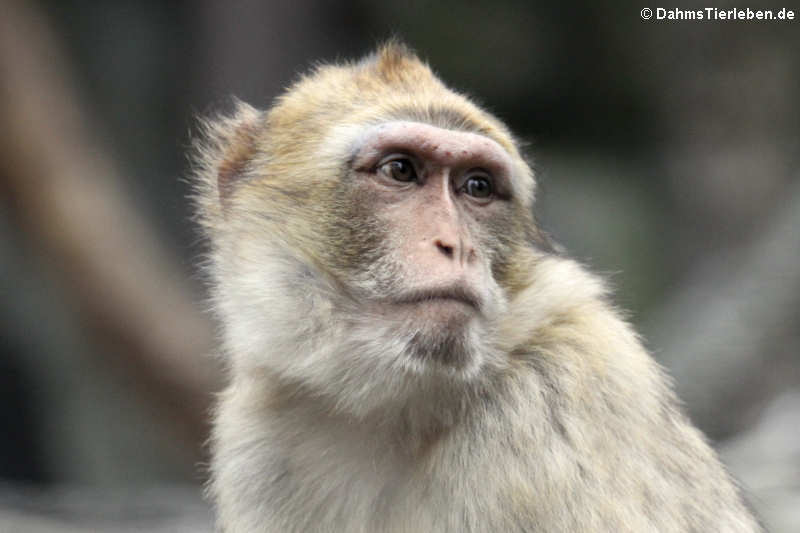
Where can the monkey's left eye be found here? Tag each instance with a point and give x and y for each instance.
(399, 170)
(478, 187)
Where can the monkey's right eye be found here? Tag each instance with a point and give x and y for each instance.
(399, 170)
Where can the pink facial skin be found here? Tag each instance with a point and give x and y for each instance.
(435, 219)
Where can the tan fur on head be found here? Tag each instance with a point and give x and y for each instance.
(392, 83)
(407, 354)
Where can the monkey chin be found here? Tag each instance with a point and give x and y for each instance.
(441, 332)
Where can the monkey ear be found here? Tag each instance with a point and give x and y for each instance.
(223, 154)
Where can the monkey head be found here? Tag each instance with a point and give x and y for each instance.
(375, 216)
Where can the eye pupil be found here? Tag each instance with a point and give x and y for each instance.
(400, 170)
(478, 187)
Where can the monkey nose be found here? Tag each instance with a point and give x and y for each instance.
(446, 249)
(457, 250)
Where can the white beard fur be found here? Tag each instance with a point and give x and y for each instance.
(559, 421)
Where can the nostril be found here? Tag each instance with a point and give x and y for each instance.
(444, 248)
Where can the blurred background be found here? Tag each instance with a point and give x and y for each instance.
(668, 156)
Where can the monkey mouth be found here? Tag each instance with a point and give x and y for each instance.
(457, 294)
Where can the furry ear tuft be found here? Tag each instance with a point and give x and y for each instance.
(234, 162)
(222, 154)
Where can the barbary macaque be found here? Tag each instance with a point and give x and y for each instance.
(406, 350)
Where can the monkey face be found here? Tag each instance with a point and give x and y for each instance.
(417, 213)
(367, 233)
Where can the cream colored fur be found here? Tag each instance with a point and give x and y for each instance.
(560, 421)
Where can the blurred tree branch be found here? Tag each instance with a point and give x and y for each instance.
(62, 189)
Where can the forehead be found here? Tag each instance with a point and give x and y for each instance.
(354, 143)
(445, 146)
